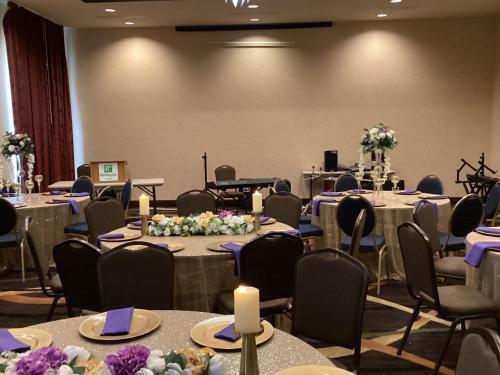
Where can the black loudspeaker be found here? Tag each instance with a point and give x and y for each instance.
(331, 161)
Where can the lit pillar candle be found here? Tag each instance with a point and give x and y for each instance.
(257, 201)
(143, 205)
(246, 310)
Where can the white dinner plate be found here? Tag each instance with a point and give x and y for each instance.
(313, 370)
(142, 323)
(35, 338)
(126, 237)
(203, 333)
(216, 246)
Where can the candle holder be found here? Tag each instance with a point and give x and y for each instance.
(256, 223)
(144, 226)
(249, 362)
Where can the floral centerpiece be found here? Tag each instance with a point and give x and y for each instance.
(50, 361)
(379, 139)
(206, 224)
(20, 146)
(139, 360)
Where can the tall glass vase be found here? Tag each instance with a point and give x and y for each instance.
(20, 169)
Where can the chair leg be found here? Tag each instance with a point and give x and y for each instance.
(23, 271)
(414, 316)
(381, 256)
(463, 327)
(357, 358)
(52, 308)
(446, 344)
(71, 314)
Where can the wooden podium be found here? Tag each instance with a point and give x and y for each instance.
(108, 171)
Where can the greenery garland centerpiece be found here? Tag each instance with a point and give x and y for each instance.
(207, 224)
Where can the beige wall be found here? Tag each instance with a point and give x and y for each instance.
(159, 99)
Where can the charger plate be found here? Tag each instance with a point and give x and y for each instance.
(269, 221)
(313, 370)
(486, 233)
(432, 197)
(203, 333)
(216, 246)
(142, 323)
(403, 193)
(35, 338)
(19, 205)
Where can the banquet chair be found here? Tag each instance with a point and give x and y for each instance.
(284, 207)
(347, 213)
(83, 170)
(8, 236)
(103, 215)
(226, 173)
(346, 182)
(76, 263)
(456, 303)
(431, 185)
(267, 263)
(479, 353)
(446, 267)
(465, 217)
(492, 206)
(83, 185)
(329, 299)
(49, 282)
(137, 274)
(126, 195)
(195, 202)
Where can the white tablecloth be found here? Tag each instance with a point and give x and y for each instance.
(200, 274)
(397, 209)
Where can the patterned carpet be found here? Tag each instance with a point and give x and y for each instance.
(386, 317)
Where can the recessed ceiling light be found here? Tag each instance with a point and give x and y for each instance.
(253, 6)
(254, 19)
(396, 1)
(129, 23)
(382, 15)
(110, 10)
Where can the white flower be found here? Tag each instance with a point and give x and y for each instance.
(11, 148)
(382, 135)
(373, 131)
(217, 365)
(389, 135)
(10, 370)
(65, 370)
(156, 364)
(144, 371)
(106, 371)
(76, 351)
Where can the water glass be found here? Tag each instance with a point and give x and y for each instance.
(39, 179)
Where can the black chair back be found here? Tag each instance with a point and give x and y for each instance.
(8, 215)
(104, 215)
(285, 208)
(195, 202)
(348, 211)
(424, 217)
(83, 170)
(357, 234)
(346, 182)
(126, 194)
(431, 185)
(83, 184)
(268, 263)
(137, 274)
(479, 353)
(418, 261)
(466, 215)
(492, 202)
(76, 263)
(224, 173)
(329, 298)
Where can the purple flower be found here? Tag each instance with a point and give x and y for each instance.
(128, 361)
(225, 213)
(39, 361)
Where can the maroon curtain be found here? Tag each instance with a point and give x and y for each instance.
(40, 90)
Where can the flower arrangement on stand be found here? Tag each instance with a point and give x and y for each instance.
(206, 224)
(19, 146)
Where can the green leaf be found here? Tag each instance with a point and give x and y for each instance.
(3, 367)
(172, 357)
(78, 370)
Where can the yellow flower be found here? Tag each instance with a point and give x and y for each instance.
(178, 220)
(157, 218)
(248, 219)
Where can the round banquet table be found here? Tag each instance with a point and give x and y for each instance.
(49, 219)
(200, 274)
(486, 277)
(280, 352)
(397, 209)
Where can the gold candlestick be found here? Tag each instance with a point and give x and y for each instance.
(144, 227)
(257, 220)
(249, 362)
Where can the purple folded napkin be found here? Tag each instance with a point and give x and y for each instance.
(408, 192)
(228, 334)
(236, 250)
(137, 223)
(263, 219)
(57, 192)
(359, 191)
(294, 232)
(316, 204)
(165, 245)
(74, 204)
(82, 194)
(331, 194)
(475, 253)
(8, 343)
(111, 236)
(488, 230)
(117, 322)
